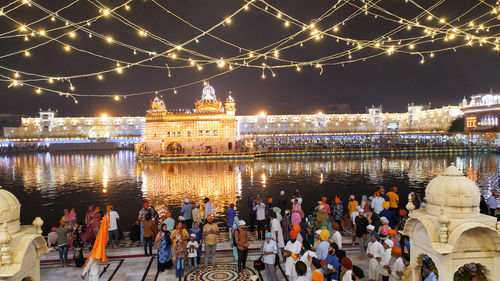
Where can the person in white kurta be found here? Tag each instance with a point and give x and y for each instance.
(306, 257)
(336, 237)
(277, 231)
(373, 251)
(347, 275)
(386, 257)
(397, 266)
(92, 269)
(292, 252)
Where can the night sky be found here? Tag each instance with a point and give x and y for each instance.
(392, 81)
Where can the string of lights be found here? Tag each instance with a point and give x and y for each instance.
(384, 43)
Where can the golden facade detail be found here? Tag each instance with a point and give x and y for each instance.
(209, 129)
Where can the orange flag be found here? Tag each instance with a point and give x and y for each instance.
(99, 249)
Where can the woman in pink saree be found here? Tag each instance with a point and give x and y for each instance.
(296, 210)
(92, 220)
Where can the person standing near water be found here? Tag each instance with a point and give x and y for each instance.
(187, 213)
(208, 208)
(241, 239)
(210, 233)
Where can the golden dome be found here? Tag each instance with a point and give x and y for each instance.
(209, 102)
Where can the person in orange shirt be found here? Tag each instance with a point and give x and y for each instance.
(353, 203)
(394, 201)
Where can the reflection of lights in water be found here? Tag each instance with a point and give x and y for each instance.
(105, 179)
(104, 190)
(239, 182)
(165, 185)
(263, 179)
(321, 179)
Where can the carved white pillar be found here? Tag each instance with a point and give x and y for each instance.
(4, 241)
(443, 226)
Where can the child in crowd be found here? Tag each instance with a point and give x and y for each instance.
(192, 249)
(180, 253)
(72, 218)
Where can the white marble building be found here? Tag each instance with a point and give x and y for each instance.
(451, 231)
(21, 245)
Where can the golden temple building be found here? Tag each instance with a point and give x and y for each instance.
(209, 129)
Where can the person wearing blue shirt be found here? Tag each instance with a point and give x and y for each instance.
(186, 211)
(332, 263)
(230, 219)
(389, 215)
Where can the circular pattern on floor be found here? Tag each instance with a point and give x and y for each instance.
(220, 272)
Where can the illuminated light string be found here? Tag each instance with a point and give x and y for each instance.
(137, 63)
(4, 11)
(45, 32)
(112, 59)
(101, 71)
(3, 35)
(68, 49)
(453, 29)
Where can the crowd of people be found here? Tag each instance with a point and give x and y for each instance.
(72, 235)
(360, 142)
(311, 246)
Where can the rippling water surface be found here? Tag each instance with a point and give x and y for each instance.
(47, 183)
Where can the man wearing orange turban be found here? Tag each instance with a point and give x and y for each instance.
(292, 248)
(317, 276)
(397, 267)
(325, 205)
(98, 253)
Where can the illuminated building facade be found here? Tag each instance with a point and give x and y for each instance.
(482, 113)
(212, 126)
(419, 118)
(208, 129)
(48, 125)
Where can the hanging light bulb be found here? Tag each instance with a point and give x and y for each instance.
(38, 91)
(116, 97)
(228, 21)
(27, 53)
(142, 33)
(67, 48)
(109, 39)
(105, 12)
(118, 68)
(127, 7)
(99, 76)
(51, 80)
(72, 34)
(287, 23)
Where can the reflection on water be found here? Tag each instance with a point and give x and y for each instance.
(167, 184)
(47, 183)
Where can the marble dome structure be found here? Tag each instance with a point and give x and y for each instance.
(451, 230)
(20, 245)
